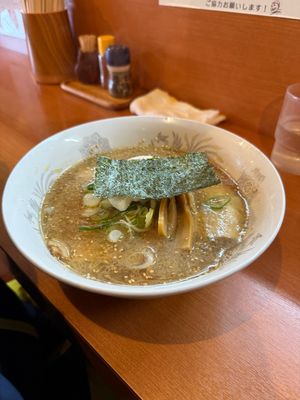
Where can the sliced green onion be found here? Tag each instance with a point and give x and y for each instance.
(94, 227)
(217, 202)
(141, 217)
(106, 222)
(114, 236)
(131, 226)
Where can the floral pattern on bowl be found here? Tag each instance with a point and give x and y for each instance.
(35, 173)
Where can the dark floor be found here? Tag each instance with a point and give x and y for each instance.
(101, 384)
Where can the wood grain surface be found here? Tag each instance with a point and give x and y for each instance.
(51, 46)
(235, 340)
(96, 94)
(240, 64)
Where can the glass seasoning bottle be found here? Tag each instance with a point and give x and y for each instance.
(87, 68)
(103, 42)
(118, 65)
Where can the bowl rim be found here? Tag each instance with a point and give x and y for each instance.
(140, 291)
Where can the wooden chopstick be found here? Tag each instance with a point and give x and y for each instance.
(87, 43)
(42, 6)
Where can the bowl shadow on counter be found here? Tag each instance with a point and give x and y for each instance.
(191, 317)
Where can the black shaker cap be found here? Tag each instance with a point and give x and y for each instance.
(117, 55)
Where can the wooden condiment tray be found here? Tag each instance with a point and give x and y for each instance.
(96, 94)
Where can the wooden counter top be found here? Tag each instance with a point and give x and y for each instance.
(237, 339)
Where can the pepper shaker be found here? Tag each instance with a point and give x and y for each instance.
(118, 65)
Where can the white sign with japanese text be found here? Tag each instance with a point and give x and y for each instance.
(273, 8)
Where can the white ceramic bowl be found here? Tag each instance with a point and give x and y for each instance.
(33, 175)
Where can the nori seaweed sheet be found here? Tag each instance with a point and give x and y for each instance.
(153, 178)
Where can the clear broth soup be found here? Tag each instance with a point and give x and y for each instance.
(216, 231)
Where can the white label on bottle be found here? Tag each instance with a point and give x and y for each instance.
(267, 8)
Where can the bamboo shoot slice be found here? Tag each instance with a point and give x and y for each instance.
(191, 201)
(186, 228)
(163, 218)
(172, 217)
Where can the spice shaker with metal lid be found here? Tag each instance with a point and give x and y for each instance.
(118, 65)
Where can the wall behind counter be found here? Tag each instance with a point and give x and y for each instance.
(240, 64)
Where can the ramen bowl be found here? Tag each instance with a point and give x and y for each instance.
(30, 180)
